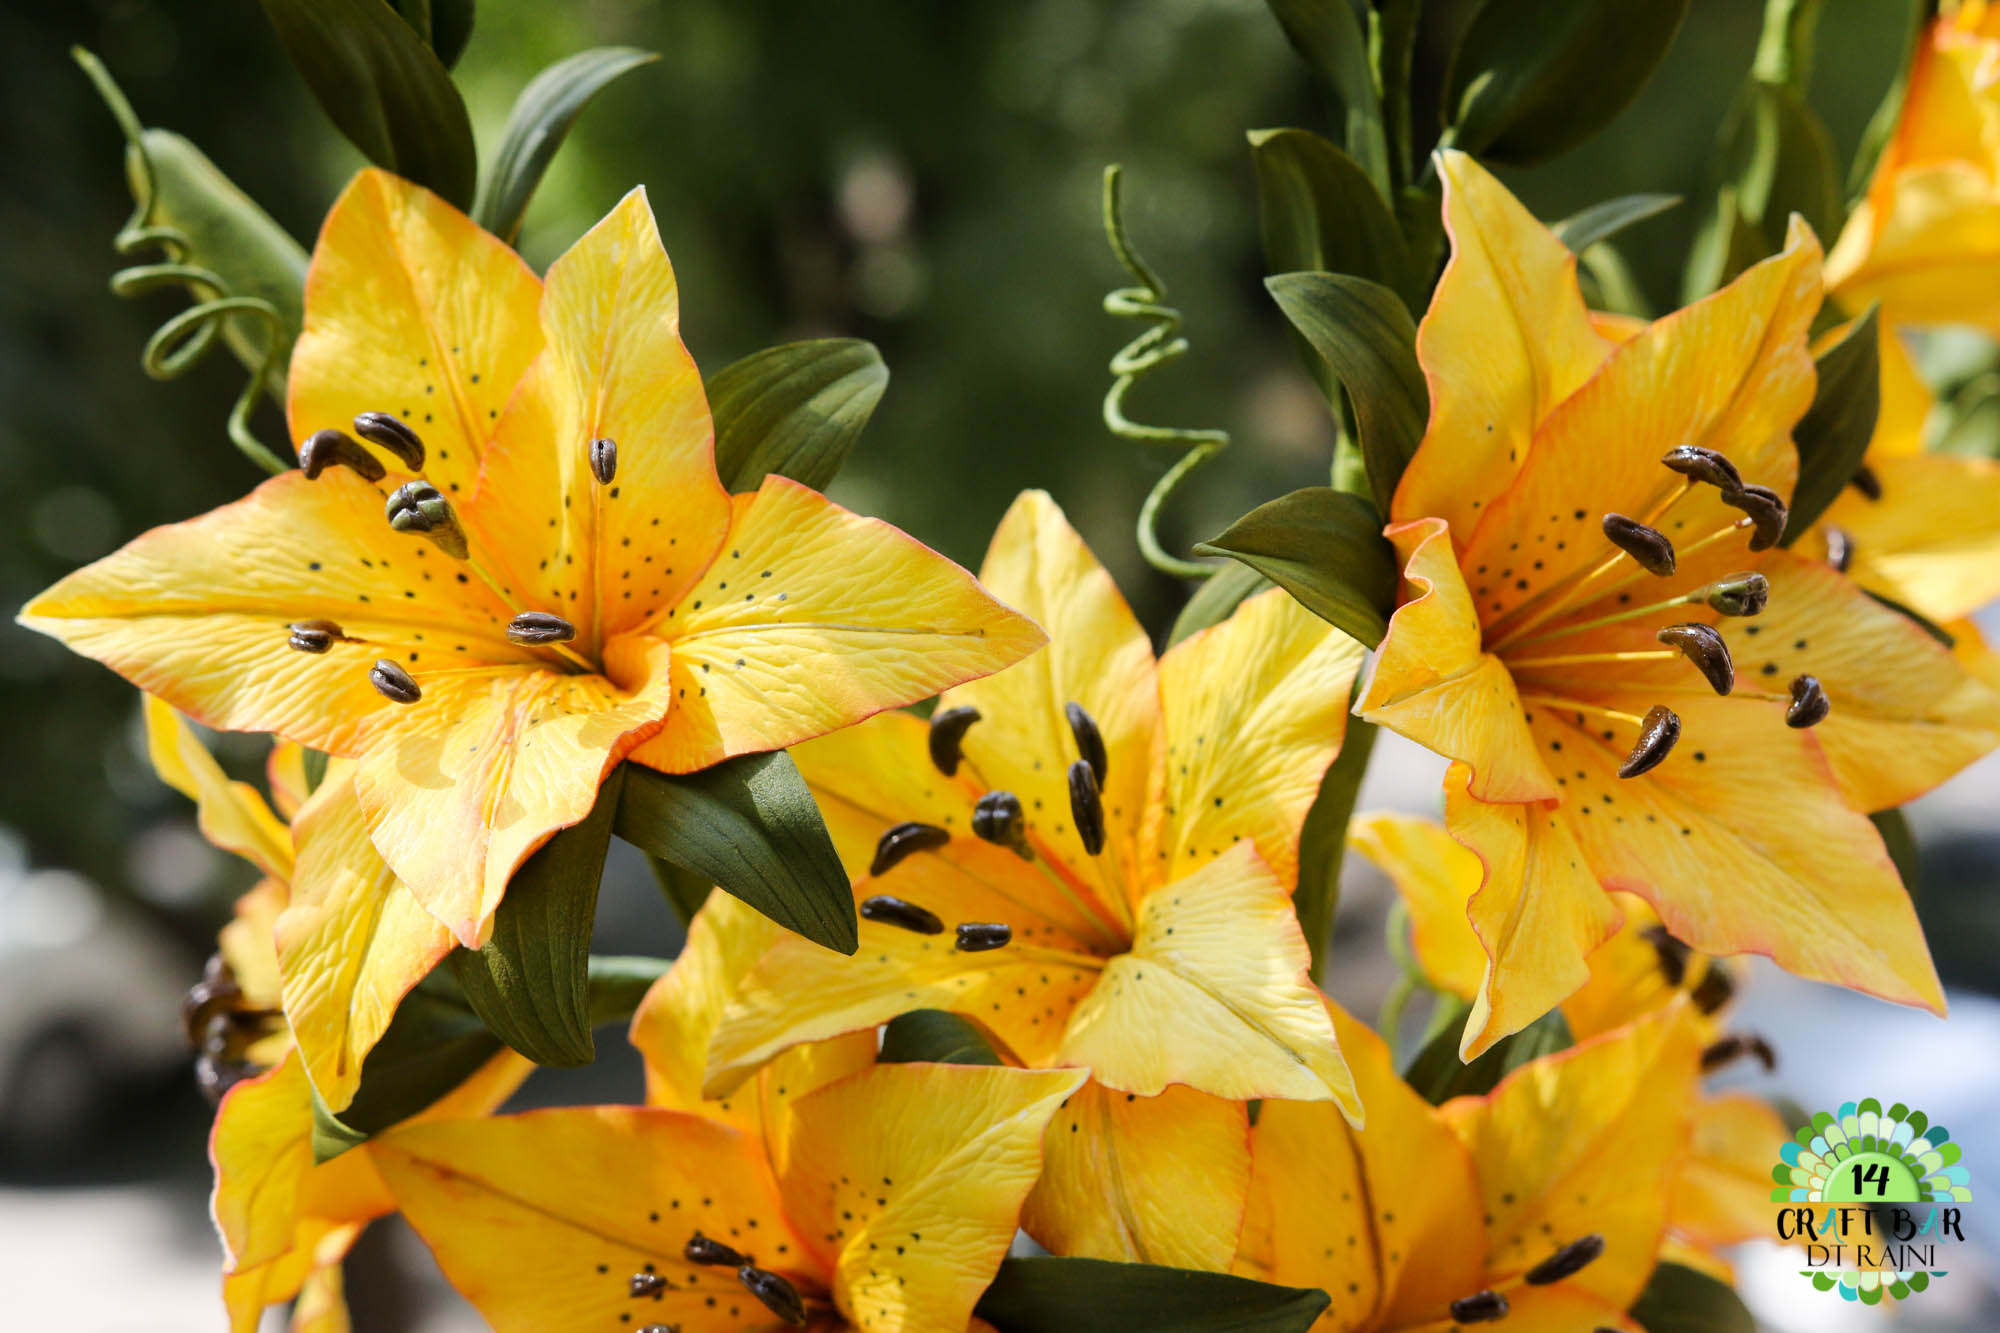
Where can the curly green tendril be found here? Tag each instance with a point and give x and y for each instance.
(183, 340)
(1155, 347)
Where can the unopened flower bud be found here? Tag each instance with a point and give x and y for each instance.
(1086, 806)
(391, 432)
(1739, 594)
(980, 936)
(539, 627)
(1657, 734)
(335, 448)
(604, 460)
(904, 840)
(392, 682)
(948, 728)
(1809, 705)
(1691, 460)
(1704, 647)
(901, 914)
(1767, 512)
(1648, 546)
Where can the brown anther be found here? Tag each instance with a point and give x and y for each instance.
(778, 1295)
(1672, 954)
(1658, 731)
(1839, 548)
(392, 682)
(904, 840)
(391, 432)
(207, 999)
(313, 636)
(1767, 512)
(676, 1328)
(979, 936)
(1809, 705)
(538, 627)
(1733, 1047)
(1570, 1260)
(1483, 1307)
(646, 1284)
(1704, 647)
(215, 1076)
(1086, 806)
(1089, 740)
(1691, 460)
(948, 728)
(336, 448)
(901, 914)
(1738, 594)
(1865, 481)
(1715, 989)
(701, 1250)
(604, 460)
(997, 818)
(1649, 547)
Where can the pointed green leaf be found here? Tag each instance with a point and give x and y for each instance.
(1916, 617)
(1680, 1300)
(751, 827)
(1585, 228)
(1894, 827)
(1367, 338)
(1328, 35)
(1833, 434)
(1324, 547)
(795, 409)
(1051, 1295)
(1318, 211)
(618, 982)
(1534, 78)
(1438, 1073)
(1216, 600)
(1323, 840)
(1888, 114)
(383, 87)
(1774, 158)
(685, 892)
(536, 127)
(934, 1036)
(531, 980)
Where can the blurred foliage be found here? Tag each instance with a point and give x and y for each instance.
(925, 176)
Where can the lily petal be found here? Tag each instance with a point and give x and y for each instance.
(876, 774)
(813, 618)
(674, 1024)
(1932, 542)
(1926, 246)
(1435, 878)
(231, 815)
(1722, 1195)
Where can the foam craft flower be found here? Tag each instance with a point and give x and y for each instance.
(560, 579)
(878, 1197)
(1546, 1197)
(285, 1222)
(1925, 242)
(1525, 647)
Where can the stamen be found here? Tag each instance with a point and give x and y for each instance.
(1734, 1047)
(904, 840)
(314, 636)
(701, 1250)
(646, 1284)
(1089, 740)
(392, 682)
(1658, 731)
(1809, 706)
(1648, 546)
(778, 1295)
(215, 992)
(604, 460)
(394, 434)
(948, 728)
(980, 936)
(1699, 464)
(215, 1076)
(539, 627)
(903, 915)
(1570, 1260)
(1086, 806)
(1839, 549)
(1483, 1307)
(1672, 954)
(997, 818)
(1767, 512)
(1737, 595)
(1717, 988)
(417, 506)
(1704, 647)
(1585, 659)
(334, 448)
(1865, 481)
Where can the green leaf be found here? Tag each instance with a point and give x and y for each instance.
(795, 409)
(1051, 1295)
(1323, 840)
(1894, 826)
(1581, 230)
(1534, 78)
(536, 127)
(1917, 618)
(1318, 211)
(1774, 159)
(934, 1036)
(684, 892)
(1834, 433)
(1328, 34)
(451, 29)
(1365, 334)
(1882, 124)
(1324, 547)
(1681, 1300)
(1216, 600)
(750, 826)
(531, 980)
(383, 88)
(1438, 1074)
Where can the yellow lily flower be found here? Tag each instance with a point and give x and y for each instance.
(560, 580)
(1563, 622)
(285, 1222)
(1115, 840)
(834, 1192)
(1925, 242)
(1546, 1198)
